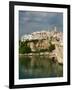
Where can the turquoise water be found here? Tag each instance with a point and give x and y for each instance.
(38, 67)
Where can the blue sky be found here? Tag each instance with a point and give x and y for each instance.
(31, 21)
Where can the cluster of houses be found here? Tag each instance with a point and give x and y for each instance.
(39, 35)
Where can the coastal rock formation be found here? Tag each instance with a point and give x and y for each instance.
(42, 40)
(38, 44)
(59, 54)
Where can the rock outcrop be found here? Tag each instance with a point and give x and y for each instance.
(42, 40)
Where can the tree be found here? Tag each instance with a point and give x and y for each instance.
(51, 46)
(23, 48)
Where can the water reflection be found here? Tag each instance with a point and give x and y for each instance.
(38, 67)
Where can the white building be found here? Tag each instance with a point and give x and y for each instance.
(26, 37)
(43, 35)
(40, 35)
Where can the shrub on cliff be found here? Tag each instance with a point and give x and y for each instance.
(23, 48)
(51, 47)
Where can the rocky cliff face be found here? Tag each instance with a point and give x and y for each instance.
(43, 40)
(59, 53)
(39, 44)
(44, 44)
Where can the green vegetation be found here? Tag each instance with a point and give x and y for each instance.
(51, 47)
(43, 50)
(23, 48)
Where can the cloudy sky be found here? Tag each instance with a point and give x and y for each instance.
(30, 21)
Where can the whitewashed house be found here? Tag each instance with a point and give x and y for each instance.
(26, 37)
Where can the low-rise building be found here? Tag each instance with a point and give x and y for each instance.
(26, 37)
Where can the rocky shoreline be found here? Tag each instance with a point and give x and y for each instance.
(51, 55)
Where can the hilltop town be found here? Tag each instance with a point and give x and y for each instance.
(43, 35)
(44, 42)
